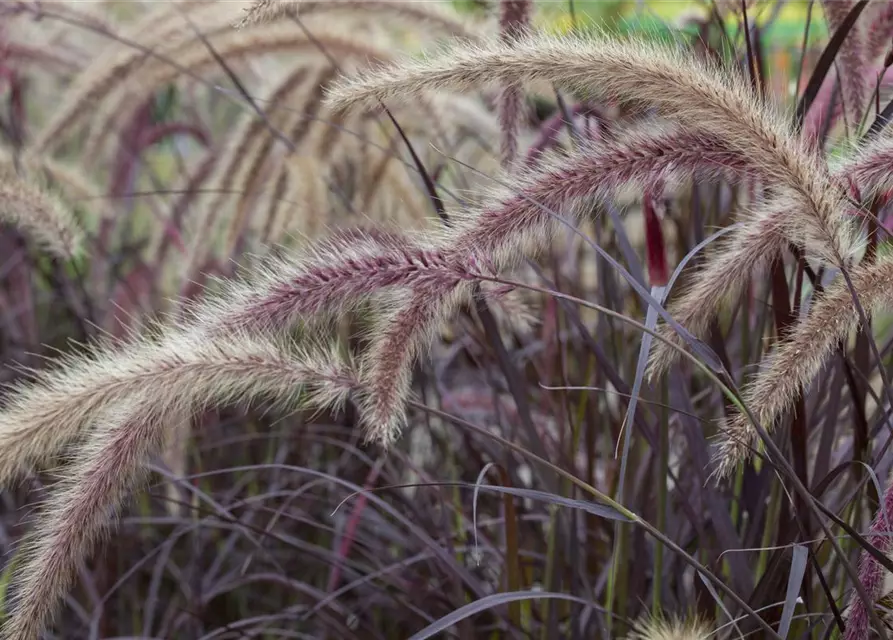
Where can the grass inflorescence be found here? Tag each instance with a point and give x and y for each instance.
(415, 317)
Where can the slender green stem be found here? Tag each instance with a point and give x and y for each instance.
(769, 529)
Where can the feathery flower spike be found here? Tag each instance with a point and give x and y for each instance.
(517, 220)
(871, 573)
(700, 96)
(869, 166)
(264, 11)
(854, 72)
(38, 213)
(797, 360)
(661, 628)
(131, 424)
(332, 276)
(514, 21)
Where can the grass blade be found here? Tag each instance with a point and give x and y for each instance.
(795, 579)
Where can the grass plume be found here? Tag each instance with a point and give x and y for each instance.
(799, 358)
(39, 213)
(254, 215)
(871, 573)
(514, 21)
(670, 628)
(853, 69)
(698, 95)
(426, 14)
(809, 206)
(331, 277)
(128, 419)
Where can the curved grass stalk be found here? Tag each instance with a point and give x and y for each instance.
(416, 14)
(131, 423)
(37, 212)
(700, 96)
(798, 359)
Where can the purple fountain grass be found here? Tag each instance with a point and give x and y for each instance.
(69, 394)
(666, 628)
(333, 276)
(401, 333)
(518, 217)
(851, 62)
(340, 272)
(514, 21)
(879, 35)
(518, 220)
(40, 214)
(45, 415)
(846, 91)
(797, 360)
(808, 207)
(113, 408)
(723, 277)
(869, 166)
(699, 95)
(50, 567)
(132, 425)
(400, 336)
(752, 248)
(871, 573)
(418, 13)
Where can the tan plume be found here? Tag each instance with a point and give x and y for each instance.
(799, 358)
(441, 18)
(129, 421)
(38, 212)
(670, 628)
(697, 94)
